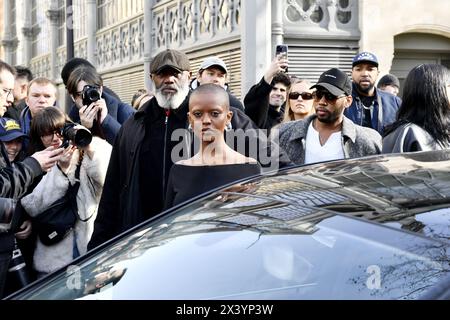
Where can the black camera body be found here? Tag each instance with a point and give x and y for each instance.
(80, 137)
(90, 94)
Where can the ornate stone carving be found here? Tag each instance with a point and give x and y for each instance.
(316, 16)
(121, 44)
(53, 15)
(187, 22)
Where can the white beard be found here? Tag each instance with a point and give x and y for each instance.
(172, 101)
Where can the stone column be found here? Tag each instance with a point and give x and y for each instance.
(277, 24)
(148, 44)
(256, 44)
(54, 15)
(91, 20)
(9, 42)
(28, 33)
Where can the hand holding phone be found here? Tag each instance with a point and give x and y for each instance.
(281, 53)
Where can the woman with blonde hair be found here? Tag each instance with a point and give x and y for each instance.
(299, 102)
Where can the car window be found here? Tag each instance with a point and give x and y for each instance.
(335, 258)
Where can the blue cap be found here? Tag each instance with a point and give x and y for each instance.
(365, 57)
(10, 130)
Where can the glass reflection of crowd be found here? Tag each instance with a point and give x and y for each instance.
(130, 174)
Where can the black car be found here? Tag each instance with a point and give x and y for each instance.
(369, 228)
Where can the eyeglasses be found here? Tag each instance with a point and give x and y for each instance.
(49, 136)
(304, 95)
(7, 92)
(318, 95)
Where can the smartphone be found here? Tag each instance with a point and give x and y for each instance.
(282, 52)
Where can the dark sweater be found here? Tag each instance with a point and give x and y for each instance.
(186, 182)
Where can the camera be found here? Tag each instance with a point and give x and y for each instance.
(80, 137)
(90, 94)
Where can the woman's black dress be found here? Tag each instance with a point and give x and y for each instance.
(186, 182)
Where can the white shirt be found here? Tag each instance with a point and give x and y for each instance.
(331, 150)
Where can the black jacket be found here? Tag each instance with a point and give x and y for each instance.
(15, 179)
(409, 137)
(141, 159)
(118, 113)
(258, 109)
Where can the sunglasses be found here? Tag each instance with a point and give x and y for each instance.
(305, 95)
(318, 95)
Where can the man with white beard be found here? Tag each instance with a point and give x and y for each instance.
(141, 159)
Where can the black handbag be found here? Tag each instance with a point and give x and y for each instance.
(55, 223)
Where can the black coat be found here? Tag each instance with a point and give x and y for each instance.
(14, 183)
(141, 159)
(258, 109)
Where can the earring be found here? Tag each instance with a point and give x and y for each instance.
(228, 127)
(189, 127)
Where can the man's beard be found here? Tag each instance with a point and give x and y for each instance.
(172, 101)
(331, 117)
(365, 90)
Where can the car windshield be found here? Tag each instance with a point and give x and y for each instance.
(329, 231)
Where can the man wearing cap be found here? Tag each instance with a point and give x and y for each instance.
(265, 101)
(371, 108)
(328, 134)
(389, 83)
(214, 70)
(146, 147)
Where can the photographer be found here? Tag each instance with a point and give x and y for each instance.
(95, 109)
(52, 127)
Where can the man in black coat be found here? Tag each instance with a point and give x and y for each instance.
(265, 101)
(146, 147)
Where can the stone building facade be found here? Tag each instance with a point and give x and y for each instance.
(121, 36)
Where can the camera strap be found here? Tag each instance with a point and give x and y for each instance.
(77, 179)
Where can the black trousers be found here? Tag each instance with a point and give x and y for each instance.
(5, 258)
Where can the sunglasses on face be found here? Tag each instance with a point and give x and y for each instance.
(318, 95)
(304, 95)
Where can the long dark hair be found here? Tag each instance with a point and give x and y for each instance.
(425, 101)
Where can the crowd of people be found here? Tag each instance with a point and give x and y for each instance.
(184, 138)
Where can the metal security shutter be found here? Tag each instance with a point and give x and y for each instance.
(310, 61)
(125, 83)
(230, 54)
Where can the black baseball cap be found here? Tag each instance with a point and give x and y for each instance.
(336, 82)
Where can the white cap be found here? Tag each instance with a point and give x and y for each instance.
(213, 61)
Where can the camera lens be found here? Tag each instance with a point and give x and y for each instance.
(94, 95)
